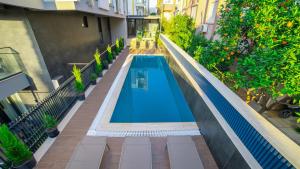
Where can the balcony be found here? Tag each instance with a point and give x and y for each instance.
(12, 73)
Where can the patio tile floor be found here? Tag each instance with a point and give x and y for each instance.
(60, 152)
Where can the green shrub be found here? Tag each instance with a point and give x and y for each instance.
(49, 121)
(118, 48)
(121, 42)
(105, 64)
(93, 77)
(79, 86)
(13, 148)
(97, 58)
(259, 42)
(180, 30)
(109, 53)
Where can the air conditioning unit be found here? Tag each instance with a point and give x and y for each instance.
(204, 28)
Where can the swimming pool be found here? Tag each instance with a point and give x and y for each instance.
(150, 94)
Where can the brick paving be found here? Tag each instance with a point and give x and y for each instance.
(60, 152)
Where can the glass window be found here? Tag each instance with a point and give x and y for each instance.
(85, 22)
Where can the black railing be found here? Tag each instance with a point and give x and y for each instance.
(30, 128)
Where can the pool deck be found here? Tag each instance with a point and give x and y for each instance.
(61, 150)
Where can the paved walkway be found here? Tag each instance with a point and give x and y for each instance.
(60, 152)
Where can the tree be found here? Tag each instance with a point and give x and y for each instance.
(181, 30)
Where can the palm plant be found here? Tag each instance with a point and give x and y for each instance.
(99, 65)
(13, 148)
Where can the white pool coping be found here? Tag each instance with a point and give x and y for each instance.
(102, 126)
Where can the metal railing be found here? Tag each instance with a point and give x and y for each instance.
(269, 149)
(30, 128)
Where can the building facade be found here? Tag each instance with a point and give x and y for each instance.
(137, 7)
(142, 21)
(42, 39)
(204, 12)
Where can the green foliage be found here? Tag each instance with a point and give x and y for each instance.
(180, 30)
(271, 64)
(260, 42)
(121, 42)
(93, 77)
(298, 119)
(105, 64)
(49, 121)
(79, 86)
(97, 58)
(109, 53)
(13, 148)
(118, 48)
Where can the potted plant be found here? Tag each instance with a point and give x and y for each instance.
(79, 86)
(109, 54)
(105, 64)
(15, 150)
(99, 67)
(51, 125)
(118, 48)
(93, 78)
(121, 43)
(114, 54)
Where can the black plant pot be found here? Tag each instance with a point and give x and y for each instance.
(105, 66)
(81, 96)
(93, 82)
(100, 74)
(29, 164)
(52, 132)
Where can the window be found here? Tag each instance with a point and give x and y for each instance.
(100, 29)
(85, 22)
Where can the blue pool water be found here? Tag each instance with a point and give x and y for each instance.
(150, 94)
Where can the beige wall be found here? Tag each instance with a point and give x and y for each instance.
(16, 32)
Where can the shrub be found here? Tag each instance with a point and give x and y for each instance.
(49, 121)
(13, 148)
(181, 30)
(259, 42)
(109, 53)
(105, 64)
(118, 48)
(93, 77)
(79, 86)
(122, 42)
(97, 58)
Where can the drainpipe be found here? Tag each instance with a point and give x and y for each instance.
(205, 12)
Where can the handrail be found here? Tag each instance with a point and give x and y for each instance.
(268, 135)
(30, 128)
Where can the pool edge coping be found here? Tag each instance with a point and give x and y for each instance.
(103, 117)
